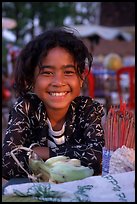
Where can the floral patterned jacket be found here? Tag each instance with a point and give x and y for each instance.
(27, 124)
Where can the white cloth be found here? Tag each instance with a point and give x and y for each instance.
(58, 136)
(109, 188)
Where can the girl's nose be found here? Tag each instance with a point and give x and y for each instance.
(58, 79)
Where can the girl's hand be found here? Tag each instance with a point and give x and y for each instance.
(42, 152)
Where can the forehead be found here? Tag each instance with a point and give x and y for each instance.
(58, 53)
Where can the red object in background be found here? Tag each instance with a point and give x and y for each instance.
(119, 128)
(131, 73)
(91, 81)
(6, 94)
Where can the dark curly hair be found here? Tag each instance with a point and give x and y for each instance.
(33, 53)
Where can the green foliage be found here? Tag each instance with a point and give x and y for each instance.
(50, 14)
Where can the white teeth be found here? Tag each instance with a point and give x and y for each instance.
(58, 94)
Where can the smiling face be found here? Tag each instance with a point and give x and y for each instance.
(58, 83)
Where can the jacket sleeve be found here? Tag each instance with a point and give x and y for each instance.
(90, 151)
(17, 133)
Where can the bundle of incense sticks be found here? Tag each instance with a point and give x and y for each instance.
(119, 128)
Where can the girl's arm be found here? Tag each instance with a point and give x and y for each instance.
(17, 134)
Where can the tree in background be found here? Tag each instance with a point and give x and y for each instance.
(34, 17)
(47, 14)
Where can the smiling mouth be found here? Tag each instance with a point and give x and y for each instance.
(58, 93)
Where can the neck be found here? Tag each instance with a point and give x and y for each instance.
(57, 119)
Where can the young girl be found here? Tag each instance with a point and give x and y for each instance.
(49, 115)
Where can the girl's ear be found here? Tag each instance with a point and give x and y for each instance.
(81, 83)
(83, 75)
(82, 80)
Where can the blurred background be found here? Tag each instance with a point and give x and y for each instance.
(106, 28)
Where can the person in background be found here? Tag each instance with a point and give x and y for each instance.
(49, 115)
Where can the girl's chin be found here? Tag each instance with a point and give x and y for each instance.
(57, 106)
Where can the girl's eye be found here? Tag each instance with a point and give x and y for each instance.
(69, 73)
(47, 73)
